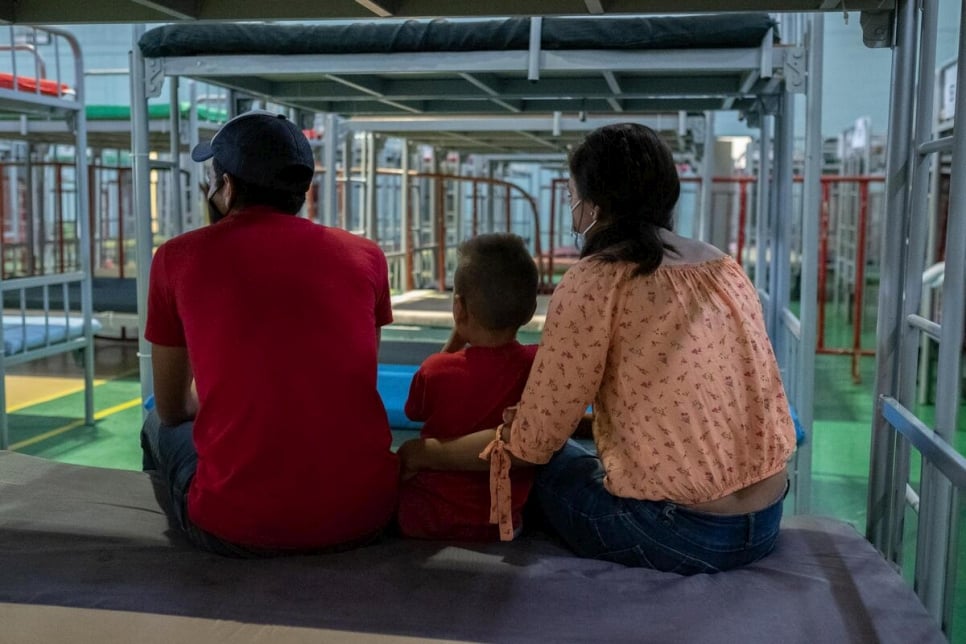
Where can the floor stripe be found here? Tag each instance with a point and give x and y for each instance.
(74, 390)
(48, 398)
(104, 413)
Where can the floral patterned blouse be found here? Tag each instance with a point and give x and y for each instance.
(688, 401)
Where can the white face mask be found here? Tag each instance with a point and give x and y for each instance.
(580, 235)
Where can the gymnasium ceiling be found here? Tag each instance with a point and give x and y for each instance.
(132, 11)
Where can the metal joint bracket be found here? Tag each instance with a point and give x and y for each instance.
(153, 77)
(769, 104)
(752, 117)
(794, 69)
(877, 31)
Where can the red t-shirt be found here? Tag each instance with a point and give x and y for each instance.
(457, 394)
(279, 316)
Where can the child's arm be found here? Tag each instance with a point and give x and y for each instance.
(415, 407)
(460, 454)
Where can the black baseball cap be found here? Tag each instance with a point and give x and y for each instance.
(262, 148)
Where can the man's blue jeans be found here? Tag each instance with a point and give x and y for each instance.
(653, 534)
(169, 456)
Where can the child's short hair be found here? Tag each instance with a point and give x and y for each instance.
(497, 279)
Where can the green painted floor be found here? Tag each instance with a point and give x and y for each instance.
(840, 440)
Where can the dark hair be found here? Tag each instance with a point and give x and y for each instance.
(497, 279)
(629, 173)
(249, 194)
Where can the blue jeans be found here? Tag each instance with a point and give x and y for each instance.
(569, 490)
(169, 456)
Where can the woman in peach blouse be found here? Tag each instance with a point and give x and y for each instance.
(664, 337)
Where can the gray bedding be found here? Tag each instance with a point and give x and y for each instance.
(88, 538)
(678, 32)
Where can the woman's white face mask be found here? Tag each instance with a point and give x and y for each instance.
(580, 236)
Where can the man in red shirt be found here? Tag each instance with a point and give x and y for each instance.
(269, 435)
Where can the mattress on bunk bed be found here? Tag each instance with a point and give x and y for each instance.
(117, 294)
(702, 32)
(86, 553)
(32, 85)
(33, 331)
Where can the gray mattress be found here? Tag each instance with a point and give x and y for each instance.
(702, 31)
(87, 550)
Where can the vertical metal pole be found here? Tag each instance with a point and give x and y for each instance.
(372, 213)
(331, 142)
(405, 225)
(84, 224)
(142, 209)
(345, 218)
(174, 139)
(763, 208)
(884, 511)
(781, 251)
(811, 219)
(195, 206)
(707, 179)
(936, 576)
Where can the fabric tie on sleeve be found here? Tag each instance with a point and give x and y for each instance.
(501, 498)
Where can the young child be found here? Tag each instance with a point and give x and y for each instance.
(481, 370)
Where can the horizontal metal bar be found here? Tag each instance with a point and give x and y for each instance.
(41, 280)
(792, 323)
(925, 325)
(43, 352)
(281, 67)
(936, 145)
(912, 498)
(933, 447)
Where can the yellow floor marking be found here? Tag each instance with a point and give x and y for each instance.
(22, 389)
(104, 413)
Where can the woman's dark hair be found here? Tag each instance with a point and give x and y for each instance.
(497, 279)
(629, 173)
(248, 194)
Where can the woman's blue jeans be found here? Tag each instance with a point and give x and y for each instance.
(569, 491)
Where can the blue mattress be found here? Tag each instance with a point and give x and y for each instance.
(393, 385)
(33, 331)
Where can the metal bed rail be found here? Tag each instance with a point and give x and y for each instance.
(71, 109)
(896, 428)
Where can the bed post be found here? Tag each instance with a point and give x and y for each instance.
(707, 179)
(780, 244)
(937, 557)
(885, 505)
(174, 136)
(84, 227)
(142, 204)
(331, 145)
(763, 214)
(804, 394)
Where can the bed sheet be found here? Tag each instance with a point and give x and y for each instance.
(79, 542)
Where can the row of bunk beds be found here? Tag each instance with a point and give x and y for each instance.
(87, 549)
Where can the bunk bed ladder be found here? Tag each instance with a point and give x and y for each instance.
(900, 325)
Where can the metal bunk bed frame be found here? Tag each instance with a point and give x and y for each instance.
(14, 101)
(896, 428)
